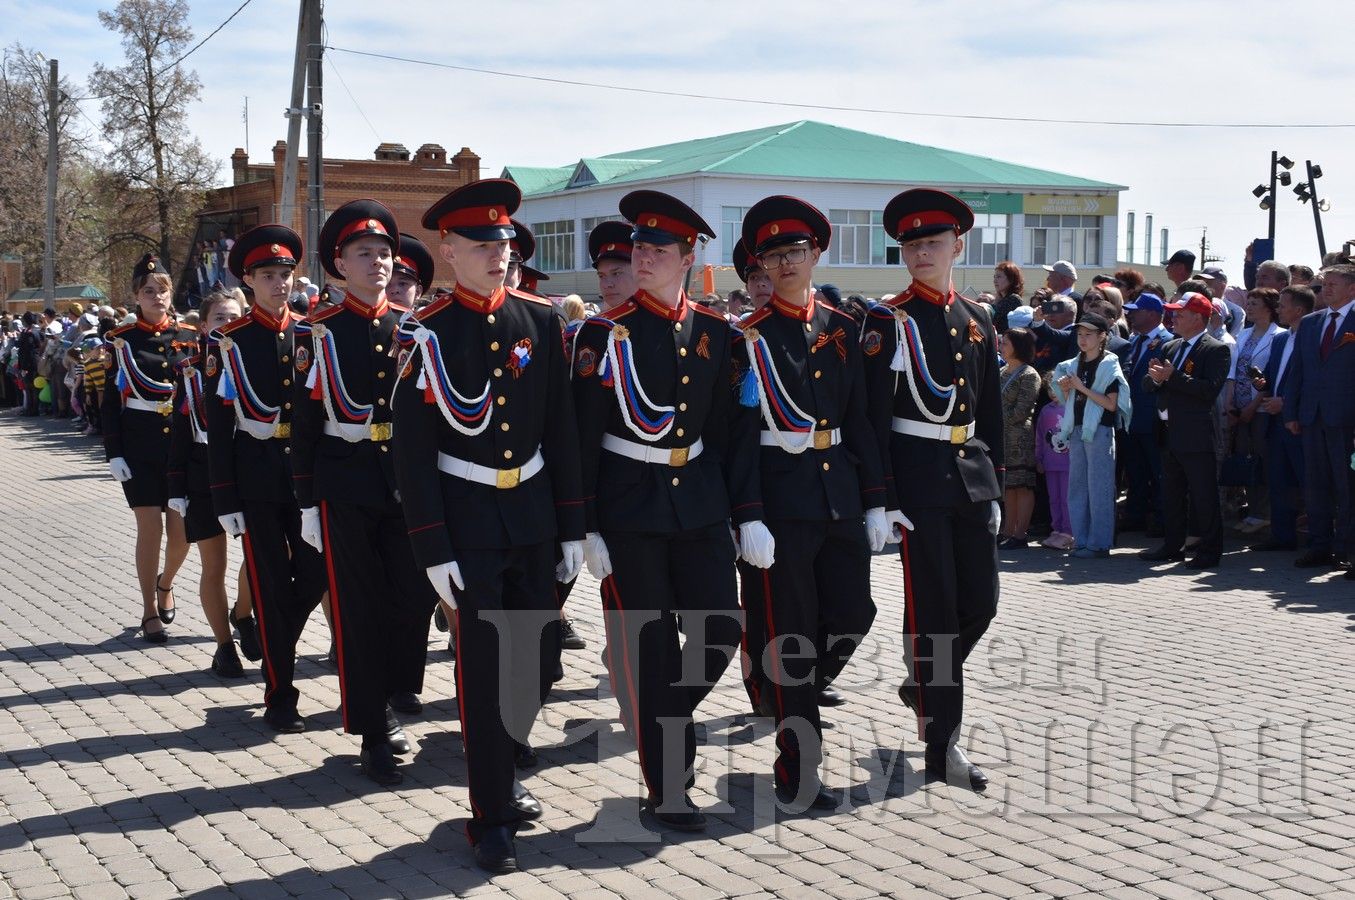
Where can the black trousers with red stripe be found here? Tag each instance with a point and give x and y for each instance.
(288, 579)
(950, 595)
(659, 684)
(503, 666)
(804, 618)
(381, 603)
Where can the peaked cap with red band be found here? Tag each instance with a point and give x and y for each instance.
(415, 260)
(265, 245)
(610, 240)
(523, 242)
(781, 220)
(355, 219)
(922, 212)
(480, 211)
(744, 262)
(663, 219)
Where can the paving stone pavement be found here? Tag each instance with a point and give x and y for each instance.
(1149, 733)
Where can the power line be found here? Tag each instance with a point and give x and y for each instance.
(817, 106)
(335, 69)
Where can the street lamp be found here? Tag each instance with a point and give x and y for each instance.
(1279, 172)
(1307, 190)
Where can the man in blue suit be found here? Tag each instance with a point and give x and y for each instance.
(1284, 457)
(1142, 455)
(1319, 406)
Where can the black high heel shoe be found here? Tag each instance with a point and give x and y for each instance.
(153, 637)
(166, 614)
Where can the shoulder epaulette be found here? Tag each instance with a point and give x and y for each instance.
(188, 361)
(757, 315)
(396, 307)
(880, 311)
(321, 314)
(120, 330)
(234, 325)
(708, 311)
(434, 308)
(523, 295)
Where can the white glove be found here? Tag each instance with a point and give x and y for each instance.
(119, 469)
(995, 520)
(443, 576)
(571, 553)
(179, 505)
(311, 532)
(898, 523)
(756, 545)
(233, 523)
(877, 529)
(596, 555)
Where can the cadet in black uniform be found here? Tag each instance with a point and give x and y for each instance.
(932, 387)
(486, 452)
(413, 274)
(753, 276)
(652, 384)
(190, 492)
(137, 402)
(609, 247)
(250, 369)
(803, 393)
(344, 479)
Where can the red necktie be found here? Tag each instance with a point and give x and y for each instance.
(1329, 336)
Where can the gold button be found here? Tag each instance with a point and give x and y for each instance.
(501, 401)
(826, 467)
(287, 449)
(498, 373)
(818, 373)
(376, 321)
(680, 432)
(808, 327)
(682, 351)
(385, 449)
(961, 452)
(380, 401)
(962, 407)
(157, 334)
(281, 335)
(164, 365)
(286, 358)
(286, 382)
(503, 426)
(675, 482)
(682, 407)
(677, 326)
(823, 421)
(953, 332)
(960, 382)
(381, 374)
(378, 348)
(286, 406)
(508, 454)
(959, 357)
(490, 318)
(686, 379)
(166, 431)
(947, 307)
(494, 345)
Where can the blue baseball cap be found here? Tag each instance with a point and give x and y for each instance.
(1150, 302)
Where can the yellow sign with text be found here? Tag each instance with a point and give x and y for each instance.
(1071, 205)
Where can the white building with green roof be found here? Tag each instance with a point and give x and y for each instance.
(1032, 216)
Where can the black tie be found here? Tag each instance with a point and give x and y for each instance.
(1182, 354)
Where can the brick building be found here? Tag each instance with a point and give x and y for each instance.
(406, 182)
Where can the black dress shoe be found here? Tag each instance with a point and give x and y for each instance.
(1203, 561)
(284, 721)
(683, 816)
(494, 852)
(153, 637)
(247, 630)
(406, 702)
(226, 663)
(1270, 544)
(395, 735)
(1162, 554)
(951, 765)
(440, 619)
(821, 798)
(569, 638)
(379, 764)
(830, 696)
(524, 757)
(1316, 559)
(524, 804)
(908, 694)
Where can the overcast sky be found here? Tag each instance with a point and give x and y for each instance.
(1147, 60)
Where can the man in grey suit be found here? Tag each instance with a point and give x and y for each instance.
(1187, 379)
(1319, 406)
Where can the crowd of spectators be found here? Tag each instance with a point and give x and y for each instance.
(53, 363)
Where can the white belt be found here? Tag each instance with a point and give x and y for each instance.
(951, 434)
(359, 431)
(200, 438)
(822, 439)
(499, 478)
(667, 456)
(163, 407)
(263, 431)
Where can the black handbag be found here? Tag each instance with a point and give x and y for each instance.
(1240, 470)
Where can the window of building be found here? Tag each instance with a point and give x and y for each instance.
(731, 229)
(1074, 238)
(988, 242)
(859, 237)
(554, 246)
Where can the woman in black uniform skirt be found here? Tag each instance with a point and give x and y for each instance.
(138, 400)
(190, 493)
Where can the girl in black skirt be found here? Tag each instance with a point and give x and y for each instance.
(136, 408)
(191, 497)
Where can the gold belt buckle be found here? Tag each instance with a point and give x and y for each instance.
(823, 440)
(381, 431)
(677, 457)
(282, 430)
(959, 434)
(508, 478)
(164, 407)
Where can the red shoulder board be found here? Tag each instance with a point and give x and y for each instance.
(328, 312)
(523, 295)
(435, 307)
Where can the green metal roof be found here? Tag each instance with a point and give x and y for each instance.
(63, 292)
(809, 150)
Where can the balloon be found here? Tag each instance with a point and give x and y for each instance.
(39, 382)
(45, 395)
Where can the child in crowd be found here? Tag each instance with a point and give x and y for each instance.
(1051, 458)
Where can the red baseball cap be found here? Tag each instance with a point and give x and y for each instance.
(1194, 302)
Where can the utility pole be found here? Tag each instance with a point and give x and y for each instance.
(287, 204)
(315, 198)
(246, 126)
(1317, 207)
(1204, 247)
(53, 122)
(1274, 199)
